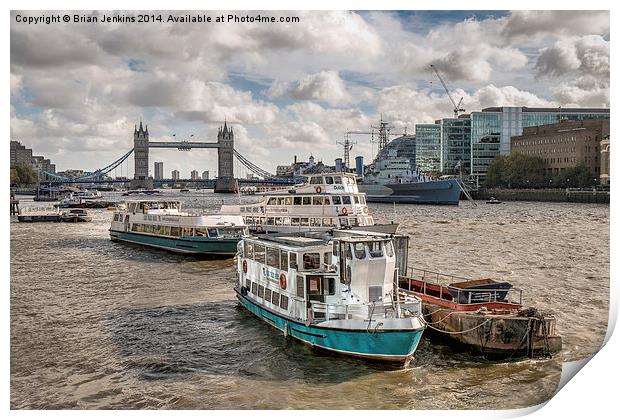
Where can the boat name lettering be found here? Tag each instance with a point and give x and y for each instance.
(339, 187)
(272, 274)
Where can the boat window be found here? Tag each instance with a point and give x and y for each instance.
(326, 200)
(317, 201)
(247, 283)
(273, 257)
(307, 201)
(300, 286)
(288, 201)
(279, 221)
(272, 201)
(268, 295)
(275, 298)
(259, 253)
(354, 221)
(261, 291)
(315, 221)
(375, 293)
(188, 232)
(337, 180)
(346, 199)
(312, 261)
(175, 231)
(304, 221)
(362, 199)
(328, 222)
(329, 286)
(335, 248)
(348, 254)
(201, 231)
(212, 232)
(329, 180)
(359, 250)
(297, 201)
(327, 258)
(280, 201)
(295, 221)
(336, 200)
(316, 180)
(270, 220)
(284, 302)
(375, 249)
(166, 230)
(249, 249)
(389, 249)
(293, 260)
(314, 285)
(344, 221)
(284, 260)
(356, 199)
(254, 288)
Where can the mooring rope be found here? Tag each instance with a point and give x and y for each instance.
(459, 332)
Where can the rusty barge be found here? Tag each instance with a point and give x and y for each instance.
(484, 317)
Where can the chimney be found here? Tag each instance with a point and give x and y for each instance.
(295, 161)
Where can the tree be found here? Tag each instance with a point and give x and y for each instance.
(23, 175)
(515, 171)
(14, 176)
(576, 177)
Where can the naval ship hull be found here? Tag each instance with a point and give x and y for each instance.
(445, 191)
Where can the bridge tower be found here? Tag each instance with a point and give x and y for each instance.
(225, 182)
(141, 159)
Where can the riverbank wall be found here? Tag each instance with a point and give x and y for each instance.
(553, 195)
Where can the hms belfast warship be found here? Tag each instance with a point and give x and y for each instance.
(393, 179)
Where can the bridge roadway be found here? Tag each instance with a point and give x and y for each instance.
(210, 182)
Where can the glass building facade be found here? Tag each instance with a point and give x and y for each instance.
(428, 147)
(456, 145)
(497, 125)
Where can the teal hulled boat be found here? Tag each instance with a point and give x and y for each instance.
(161, 224)
(334, 291)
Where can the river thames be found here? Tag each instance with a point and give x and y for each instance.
(103, 325)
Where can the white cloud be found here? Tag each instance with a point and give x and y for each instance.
(326, 86)
(587, 55)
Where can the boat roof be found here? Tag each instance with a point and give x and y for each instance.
(309, 239)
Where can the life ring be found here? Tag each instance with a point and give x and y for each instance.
(245, 266)
(318, 190)
(344, 211)
(283, 281)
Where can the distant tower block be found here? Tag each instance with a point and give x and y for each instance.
(141, 158)
(225, 183)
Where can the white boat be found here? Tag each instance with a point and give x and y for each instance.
(333, 291)
(162, 224)
(87, 194)
(38, 214)
(326, 201)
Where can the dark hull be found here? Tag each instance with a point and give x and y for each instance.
(446, 191)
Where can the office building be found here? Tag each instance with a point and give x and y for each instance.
(428, 147)
(565, 144)
(194, 174)
(176, 175)
(502, 123)
(604, 175)
(20, 155)
(456, 145)
(159, 170)
(205, 175)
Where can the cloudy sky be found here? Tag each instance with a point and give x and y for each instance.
(288, 89)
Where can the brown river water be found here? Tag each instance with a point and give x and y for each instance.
(102, 325)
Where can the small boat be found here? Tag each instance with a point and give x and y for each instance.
(184, 190)
(88, 194)
(484, 317)
(332, 291)
(493, 200)
(75, 215)
(71, 201)
(162, 224)
(38, 214)
(139, 192)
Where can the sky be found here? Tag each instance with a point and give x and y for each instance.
(78, 89)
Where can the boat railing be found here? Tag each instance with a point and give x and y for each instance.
(470, 295)
(328, 311)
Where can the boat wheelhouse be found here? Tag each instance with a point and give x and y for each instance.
(334, 291)
(326, 201)
(162, 224)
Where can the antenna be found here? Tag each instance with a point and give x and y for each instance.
(347, 146)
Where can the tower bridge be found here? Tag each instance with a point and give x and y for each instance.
(225, 152)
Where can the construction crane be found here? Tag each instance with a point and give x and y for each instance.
(383, 130)
(457, 107)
